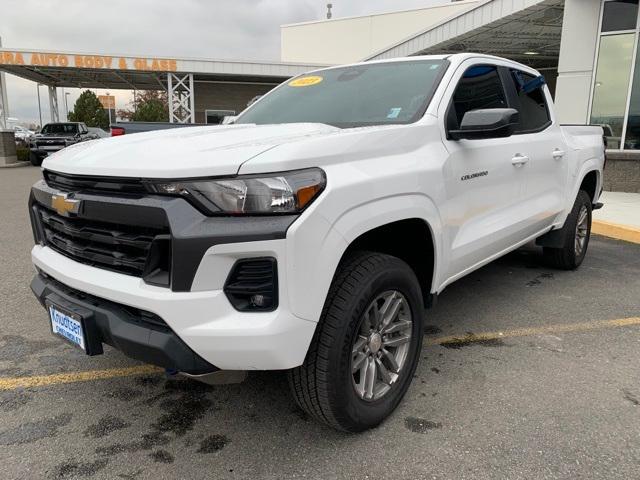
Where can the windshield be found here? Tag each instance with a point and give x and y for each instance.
(61, 128)
(373, 94)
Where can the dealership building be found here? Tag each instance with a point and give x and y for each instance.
(586, 49)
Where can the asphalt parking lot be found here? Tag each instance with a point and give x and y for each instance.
(526, 373)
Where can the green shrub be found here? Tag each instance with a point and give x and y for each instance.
(23, 154)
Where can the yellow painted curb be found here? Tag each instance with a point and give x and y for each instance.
(614, 230)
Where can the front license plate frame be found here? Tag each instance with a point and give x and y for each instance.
(67, 325)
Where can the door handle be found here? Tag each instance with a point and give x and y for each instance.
(519, 160)
(558, 154)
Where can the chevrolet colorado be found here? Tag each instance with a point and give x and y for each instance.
(312, 234)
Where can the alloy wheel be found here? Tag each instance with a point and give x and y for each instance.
(381, 347)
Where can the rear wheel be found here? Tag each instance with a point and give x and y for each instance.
(578, 233)
(366, 345)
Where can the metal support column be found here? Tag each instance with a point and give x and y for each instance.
(181, 98)
(53, 104)
(4, 103)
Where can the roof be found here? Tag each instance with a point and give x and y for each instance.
(528, 31)
(88, 70)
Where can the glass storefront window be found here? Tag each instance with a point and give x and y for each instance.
(632, 138)
(612, 85)
(619, 15)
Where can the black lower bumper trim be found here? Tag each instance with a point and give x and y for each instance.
(138, 334)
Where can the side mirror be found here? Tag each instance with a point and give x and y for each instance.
(487, 123)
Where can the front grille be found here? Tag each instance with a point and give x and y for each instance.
(84, 183)
(51, 143)
(120, 248)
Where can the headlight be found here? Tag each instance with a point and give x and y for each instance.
(279, 193)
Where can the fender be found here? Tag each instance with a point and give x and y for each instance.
(556, 238)
(593, 164)
(329, 241)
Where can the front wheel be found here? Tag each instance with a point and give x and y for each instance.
(578, 233)
(35, 160)
(366, 346)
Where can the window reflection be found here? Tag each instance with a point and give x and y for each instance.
(619, 15)
(612, 85)
(632, 139)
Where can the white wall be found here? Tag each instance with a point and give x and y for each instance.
(577, 60)
(345, 40)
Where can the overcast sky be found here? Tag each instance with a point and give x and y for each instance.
(221, 29)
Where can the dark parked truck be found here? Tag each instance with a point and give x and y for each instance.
(56, 136)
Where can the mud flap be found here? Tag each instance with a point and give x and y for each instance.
(554, 238)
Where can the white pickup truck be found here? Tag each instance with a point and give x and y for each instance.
(311, 234)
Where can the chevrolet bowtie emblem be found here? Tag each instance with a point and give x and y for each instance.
(64, 205)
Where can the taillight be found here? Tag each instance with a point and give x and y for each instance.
(117, 131)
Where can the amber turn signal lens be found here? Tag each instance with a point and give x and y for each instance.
(306, 194)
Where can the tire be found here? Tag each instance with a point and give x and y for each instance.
(324, 385)
(570, 256)
(35, 160)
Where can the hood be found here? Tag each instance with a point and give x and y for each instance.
(180, 152)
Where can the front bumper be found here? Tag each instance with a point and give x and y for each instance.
(204, 320)
(137, 334)
(42, 153)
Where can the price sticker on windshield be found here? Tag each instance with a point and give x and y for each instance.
(305, 81)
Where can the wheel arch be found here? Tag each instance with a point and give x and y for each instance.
(416, 248)
(589, 183)
(330, 237)
(317, 244)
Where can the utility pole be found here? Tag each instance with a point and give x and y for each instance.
(39, 107)
(4, 103)
(66, 105)
(109, 110)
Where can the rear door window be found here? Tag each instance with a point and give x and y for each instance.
(532, 103)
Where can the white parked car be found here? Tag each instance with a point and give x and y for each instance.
(22, 134)
(311, 234)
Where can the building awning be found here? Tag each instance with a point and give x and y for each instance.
(527, 31)
(81, 70)
(175, 75)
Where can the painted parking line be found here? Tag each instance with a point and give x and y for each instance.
(8, 383)
(73, 377)
(453, 340)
